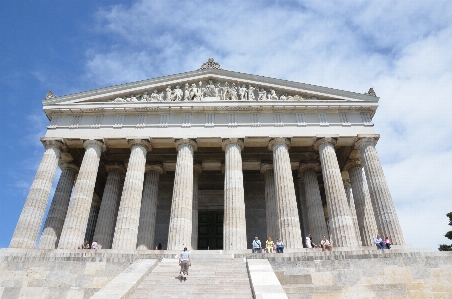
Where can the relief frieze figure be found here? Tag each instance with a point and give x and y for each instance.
(220, 91)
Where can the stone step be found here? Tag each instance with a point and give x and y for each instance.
(218, 279)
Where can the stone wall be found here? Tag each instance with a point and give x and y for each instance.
(388, 275)
(61, 274)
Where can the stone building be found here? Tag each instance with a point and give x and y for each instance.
(209, 159)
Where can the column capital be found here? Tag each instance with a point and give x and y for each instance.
(323, 140)
(366, 139)
(95, 142)
(140, 141)
(53, 142)
(278, 140)
(68, 165)
(352, 163)
(116, 166)
(154, 167)
(304, 166)
(179, 142)
(228, 141)
(346, 179)
(265, 167)
(197, 168)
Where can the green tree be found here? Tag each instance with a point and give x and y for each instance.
(444, 247)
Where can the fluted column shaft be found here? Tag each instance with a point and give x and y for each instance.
(316, 217)
(127, 222)
(74, 227)
(304, 207)
(181, 226)
(92, 220)
(351, 204)
(342, 231)
(289, 221)
(146, 229)
(271, 207)
(363, 205)
(234, 228)
(197, 170)
(58, 208)
(30, 220)
(109, 206)
(383, 206)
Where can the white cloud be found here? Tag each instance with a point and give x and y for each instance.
(402, 49)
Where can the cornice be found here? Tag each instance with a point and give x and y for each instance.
(141, 86)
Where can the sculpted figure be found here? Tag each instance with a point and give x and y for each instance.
(168, 93)
(187, 92)
(194, 93)
(177, 94)
(250, 93)
(132, 98)
(50, 95)
(262, 95)
(162, 97)
(242, 93)
(218, 91)
(210, 90)
(233, 92)
(297, 98)
(283, 97)
(273, 95)
(155, 96)
(200, 91)
(225, 91)
(145, 97)
(119, 100)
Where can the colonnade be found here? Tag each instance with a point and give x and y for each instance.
(358, 207)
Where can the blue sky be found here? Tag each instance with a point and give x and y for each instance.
(402, 49)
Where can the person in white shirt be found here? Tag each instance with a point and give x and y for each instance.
(379, 242)
(308, 241)
(94, 245)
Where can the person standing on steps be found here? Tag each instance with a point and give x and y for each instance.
(184, 263)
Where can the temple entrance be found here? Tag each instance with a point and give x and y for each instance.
(210, 230)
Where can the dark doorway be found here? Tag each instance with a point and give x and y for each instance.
(210, 230)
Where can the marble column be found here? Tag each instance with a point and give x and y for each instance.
(303, 206)
(234, 228)
(383, 206)
(289, 221)
(316, 216)
(271, 208)
(351, 203)
(127, 222)
(146, 228)
(74, 227)
(105, 225)
(181, 226)
(92, 219)
(30, 220)
(363, 204)
(342, 230)
(197, 170)
(58, 208)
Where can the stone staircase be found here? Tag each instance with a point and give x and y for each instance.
(211, 276)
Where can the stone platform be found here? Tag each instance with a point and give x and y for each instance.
(359, 273)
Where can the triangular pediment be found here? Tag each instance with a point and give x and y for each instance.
(208, 85)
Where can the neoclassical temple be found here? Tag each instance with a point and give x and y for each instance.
(208, 159)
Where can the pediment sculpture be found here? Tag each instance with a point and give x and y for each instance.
(210, 91)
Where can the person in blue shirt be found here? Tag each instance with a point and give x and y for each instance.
(379, 242)
(184, 263)
(257, 245)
